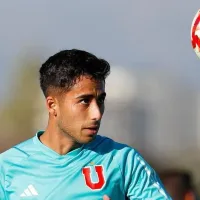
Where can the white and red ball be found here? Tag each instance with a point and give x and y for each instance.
(195, 33)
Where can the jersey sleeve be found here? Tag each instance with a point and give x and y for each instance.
(2, 181)
(141, 181)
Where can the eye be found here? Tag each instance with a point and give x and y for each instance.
(101, 100)
(85, 101)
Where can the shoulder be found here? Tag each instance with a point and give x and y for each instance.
(122, 153)
(105, 145)
(17, 153)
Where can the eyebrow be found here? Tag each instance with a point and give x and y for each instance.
(90, 95)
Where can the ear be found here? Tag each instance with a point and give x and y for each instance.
(190, 196)
(52, 105)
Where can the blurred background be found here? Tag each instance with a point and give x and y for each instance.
(153, 101)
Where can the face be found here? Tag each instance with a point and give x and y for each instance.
(79, 111)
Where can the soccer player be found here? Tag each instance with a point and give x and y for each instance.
(68, 160)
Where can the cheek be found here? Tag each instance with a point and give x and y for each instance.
(63, 114)
(66, 121)
(71, 115)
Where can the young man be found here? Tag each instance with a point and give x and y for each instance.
(69, 160)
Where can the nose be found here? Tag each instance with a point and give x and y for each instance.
(96, 111)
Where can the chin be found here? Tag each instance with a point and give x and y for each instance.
(87, 139)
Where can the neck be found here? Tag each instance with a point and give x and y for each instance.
(58, 141)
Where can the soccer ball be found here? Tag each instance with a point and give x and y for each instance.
(195, 33)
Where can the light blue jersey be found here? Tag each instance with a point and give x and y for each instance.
(32, 171)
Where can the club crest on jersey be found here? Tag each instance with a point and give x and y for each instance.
(88, 173)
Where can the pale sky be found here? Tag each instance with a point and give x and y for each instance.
(129, 33)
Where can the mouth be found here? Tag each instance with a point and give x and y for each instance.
(92, 130)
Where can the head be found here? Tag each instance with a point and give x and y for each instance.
(178, 184)
(73, 82)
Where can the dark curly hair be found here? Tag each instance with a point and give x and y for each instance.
(61, 70)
